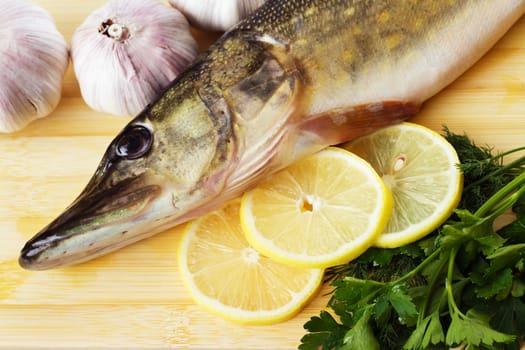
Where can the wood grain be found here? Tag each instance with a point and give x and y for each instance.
(134, 298)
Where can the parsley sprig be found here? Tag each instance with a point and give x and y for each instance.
(462, 285)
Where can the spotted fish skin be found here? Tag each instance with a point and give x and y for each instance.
(295, 77)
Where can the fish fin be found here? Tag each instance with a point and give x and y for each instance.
(345, 124)
(263, 106)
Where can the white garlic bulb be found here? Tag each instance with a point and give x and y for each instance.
(219, 15)
(126, 52)
(33, 61)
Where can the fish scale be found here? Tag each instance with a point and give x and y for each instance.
(294, 78)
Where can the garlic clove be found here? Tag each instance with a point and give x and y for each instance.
(33, 60)
(218, 15)
(126, 52)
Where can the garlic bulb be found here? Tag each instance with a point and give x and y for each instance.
(217, 15)
(126, 52)
(33, 61)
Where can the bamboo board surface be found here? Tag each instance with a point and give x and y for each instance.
(134, 298)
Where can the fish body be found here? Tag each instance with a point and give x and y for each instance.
(295, 77)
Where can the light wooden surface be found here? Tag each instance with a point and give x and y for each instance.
(134, 298)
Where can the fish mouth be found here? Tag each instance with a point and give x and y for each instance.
(98, 221)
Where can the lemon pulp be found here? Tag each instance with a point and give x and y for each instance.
(230, 278)
(420, 168)
(321, 211)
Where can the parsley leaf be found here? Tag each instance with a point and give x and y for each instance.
(513, 232)
(507, 256)
(430, 331)
(495, 285)
(324, 331)
(510, 316)
(361, 336)
(401, 302)
(473, 329)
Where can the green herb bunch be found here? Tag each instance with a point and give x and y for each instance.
(463, 285)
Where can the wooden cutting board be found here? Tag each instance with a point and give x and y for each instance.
(134, 298)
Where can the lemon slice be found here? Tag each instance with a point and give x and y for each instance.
(321, 211)
(228, 277)
(420, 168)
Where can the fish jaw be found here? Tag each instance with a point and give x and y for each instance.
(97, 222)
(102, 221)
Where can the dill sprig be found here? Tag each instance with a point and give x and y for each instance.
(484, 172)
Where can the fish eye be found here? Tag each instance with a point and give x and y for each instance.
(134, 142)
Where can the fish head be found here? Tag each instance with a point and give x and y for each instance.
(161, 170)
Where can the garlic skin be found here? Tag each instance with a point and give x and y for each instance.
(127, 51)
(217, 15)
(33, 60)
